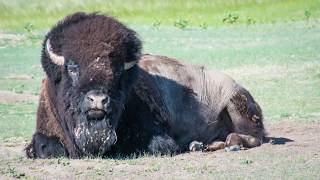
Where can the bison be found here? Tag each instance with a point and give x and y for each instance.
(101, 97)
(89, 61)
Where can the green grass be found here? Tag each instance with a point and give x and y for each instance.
(17, 120)
(16, 14)
(279, 64)
(20, 60)
(276, 57)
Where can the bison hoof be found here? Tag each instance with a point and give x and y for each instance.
(233, 148)
(196, 146)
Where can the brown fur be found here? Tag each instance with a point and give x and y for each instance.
(230, 108)
(48, 123)
(99, 46)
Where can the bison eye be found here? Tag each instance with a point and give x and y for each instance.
(118, 74)
(73, 71)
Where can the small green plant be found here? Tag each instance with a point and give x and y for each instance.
(11, 171)
(156, 25)
(285, 115)
(63, 161)
(246, 161)
(154, 168)
(99, 172)
(231, 18)
(132, 161)
(29, 28)
(251, 21)
(307, 14)
(18, 88)
(203, 25)
(181, 24)
(190, 168)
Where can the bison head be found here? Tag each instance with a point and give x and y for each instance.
(90, 62)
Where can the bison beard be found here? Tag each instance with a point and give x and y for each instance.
(94, 138)
(94, 129)
(96, 101)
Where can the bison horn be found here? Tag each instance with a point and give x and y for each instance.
(59, 60)
(129, 65)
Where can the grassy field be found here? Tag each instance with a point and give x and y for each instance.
(18, 14)
(279, 63)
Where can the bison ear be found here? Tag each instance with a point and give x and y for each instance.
(51, 62)
(133, 51)
(129, 65)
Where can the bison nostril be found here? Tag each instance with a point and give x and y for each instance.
(106, 100)
(95, 99)
(90, 98)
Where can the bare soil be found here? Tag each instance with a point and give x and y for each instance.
(293, 151)
(9, 97)
(11, 39)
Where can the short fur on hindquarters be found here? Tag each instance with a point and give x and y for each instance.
(200, 105)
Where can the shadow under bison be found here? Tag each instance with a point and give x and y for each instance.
(102, 97)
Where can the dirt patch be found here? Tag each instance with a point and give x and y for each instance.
(11, 39)
(9, 97)
(270, 71)
(19, 77)
(293, 152)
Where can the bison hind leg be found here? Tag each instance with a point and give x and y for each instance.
(241, 140)
(246, 119)
(234, 142)
(163, 145)
(42, 146)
